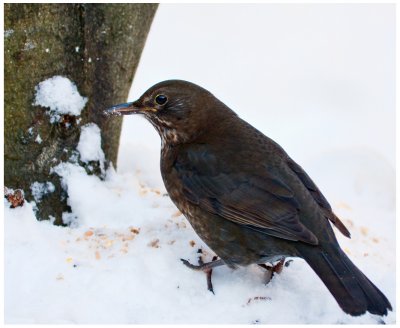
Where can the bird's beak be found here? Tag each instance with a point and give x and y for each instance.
(123, 109)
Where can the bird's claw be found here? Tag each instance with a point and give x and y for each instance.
(270, 270)
(206, 268)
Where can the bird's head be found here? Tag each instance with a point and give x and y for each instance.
(179, 110)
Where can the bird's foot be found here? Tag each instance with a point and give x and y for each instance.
(206, 268)
(270, 270)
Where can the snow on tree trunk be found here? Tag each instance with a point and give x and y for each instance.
(64, 64)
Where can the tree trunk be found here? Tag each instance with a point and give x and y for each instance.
(97, 47)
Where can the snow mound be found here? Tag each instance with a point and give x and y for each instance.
(61, 96)
(89, 145)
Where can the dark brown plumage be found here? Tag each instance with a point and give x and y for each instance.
(244, 196)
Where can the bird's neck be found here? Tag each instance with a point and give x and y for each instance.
(221, 119)
(170, 135)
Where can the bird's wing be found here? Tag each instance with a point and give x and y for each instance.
(318, 196)
(260, 202)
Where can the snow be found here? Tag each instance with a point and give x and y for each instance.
(39, 189)
(61, 96)
(8, 33)
(118, 261)
(29, 45)
(89, 145)
(38, 139)
(70, 219)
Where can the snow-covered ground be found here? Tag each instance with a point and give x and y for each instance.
(317, 79)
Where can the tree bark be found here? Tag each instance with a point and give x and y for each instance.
(97, 47)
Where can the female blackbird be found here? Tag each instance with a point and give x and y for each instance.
(244, 196)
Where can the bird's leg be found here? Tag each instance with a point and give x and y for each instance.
(268, 273)
(208, 272)
(206, 268)
(270, 270)
(279, 266)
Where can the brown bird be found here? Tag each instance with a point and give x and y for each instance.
(244, 196)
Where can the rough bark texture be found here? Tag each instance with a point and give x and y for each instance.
(96, 46)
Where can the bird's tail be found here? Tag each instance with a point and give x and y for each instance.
(354, 292)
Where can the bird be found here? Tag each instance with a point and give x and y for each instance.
(244, 196)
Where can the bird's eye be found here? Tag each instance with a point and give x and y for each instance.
(161, 99)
